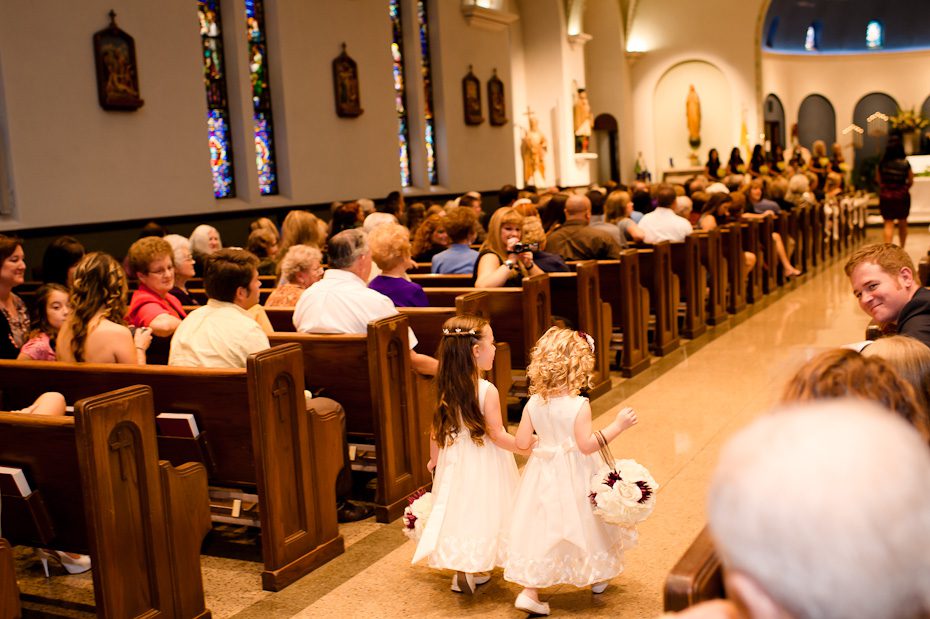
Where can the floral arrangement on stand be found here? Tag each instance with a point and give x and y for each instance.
(622, 491)
(417, 513)
(908, 120)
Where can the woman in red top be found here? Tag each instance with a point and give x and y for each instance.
(152, 261)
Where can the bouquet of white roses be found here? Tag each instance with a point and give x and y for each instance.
(623, 493)
(417, 513)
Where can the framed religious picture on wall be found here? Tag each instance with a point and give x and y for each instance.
(345, 86)
(497, 108)
(471, 98)
(117, 71)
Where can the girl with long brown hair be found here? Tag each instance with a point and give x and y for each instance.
(476, 476)
(96, 330)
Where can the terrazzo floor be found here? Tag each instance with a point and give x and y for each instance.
(688, 403)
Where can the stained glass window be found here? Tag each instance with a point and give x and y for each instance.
(430, 123)
(400, 92)
(875, 35)
(261, 97)
(214, 77)
(811, 43)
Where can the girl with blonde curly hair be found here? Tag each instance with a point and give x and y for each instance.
(96, 330)
(476, 475)
(555, 536)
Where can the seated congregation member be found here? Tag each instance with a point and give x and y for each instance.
(345, 217)
(264, 245)
(14, 317)
(152, 304)
(757, 207)
(882, 278)
(183, 268)
(462, 227)
(911, 360)
(534, 235)
(222, 334)
(204, 241)
(716, 213)
(52, 309)
(300, 268)
(793, 500)
(576, 239)
(96, 330)
(498, 264)
(552, 212)
(472, 201)
(430, 239)
(619, 208)
(663, 224)
(599, 217)
(342, 302)
(301, 228)
(59, 260)
(390, 250)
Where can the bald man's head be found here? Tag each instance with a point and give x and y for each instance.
(578, 208)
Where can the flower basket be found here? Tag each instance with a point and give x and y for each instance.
(417, 513)
(622, 491)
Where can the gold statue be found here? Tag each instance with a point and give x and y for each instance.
(533, 149)
(584, 121)
(693, 113)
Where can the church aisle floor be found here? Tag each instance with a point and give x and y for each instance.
(717, 384)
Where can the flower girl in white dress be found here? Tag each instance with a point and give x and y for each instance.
(476, 475)
(555, 536)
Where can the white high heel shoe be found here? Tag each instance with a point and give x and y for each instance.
(73, 565)
(528, 605)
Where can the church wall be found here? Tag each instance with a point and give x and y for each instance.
(844, 80)
(674, 31)
(71, 162)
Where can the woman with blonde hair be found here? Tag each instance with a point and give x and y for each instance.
(96, 330)
(430, 239)
(390, 250)
(301, 228)
(498, 264)
(911, 360)
(300, 268)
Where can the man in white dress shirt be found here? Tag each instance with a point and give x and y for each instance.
(342, 302)
(663, 224)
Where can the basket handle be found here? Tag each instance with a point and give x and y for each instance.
(604, 450)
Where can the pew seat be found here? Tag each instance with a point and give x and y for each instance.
(696, 577)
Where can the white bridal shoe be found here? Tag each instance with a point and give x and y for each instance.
(76, 564)
(526, 604)
(466, 583)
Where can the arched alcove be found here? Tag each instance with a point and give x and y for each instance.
(872, 145)
(773, 116)
(718, 122)
(816, 121)
(606, 144)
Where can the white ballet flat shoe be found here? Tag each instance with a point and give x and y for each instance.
(73, 565)
(471, 582)
(526, 604)
(600, 587)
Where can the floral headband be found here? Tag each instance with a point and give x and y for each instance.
(459, 331)
(587, 338)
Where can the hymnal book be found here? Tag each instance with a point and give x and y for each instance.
(13, 482)
(177, 424)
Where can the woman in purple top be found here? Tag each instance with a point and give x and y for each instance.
(390, 249)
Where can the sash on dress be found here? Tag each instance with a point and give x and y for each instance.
(556, 479)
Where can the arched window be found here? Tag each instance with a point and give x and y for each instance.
(429, 132)
(875, 35)
(214, 73)
(261, 97)
(812, 37)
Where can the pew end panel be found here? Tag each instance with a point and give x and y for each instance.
(9, 591)
(687, 266)
(697, 577)
(715, 265)
(657, 277)
(298, 520)
(577, 296)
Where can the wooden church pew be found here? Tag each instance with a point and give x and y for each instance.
(749, 230)
(769, 274)
(371, 376)
(731, 235)
(691, 273)
(9, 591)
(98, 488)
(657, 277)
(697, 577)
(715, 265)
(256, 434)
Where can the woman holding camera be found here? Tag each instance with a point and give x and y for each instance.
(502, 260)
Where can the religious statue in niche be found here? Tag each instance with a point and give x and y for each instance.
(533, 149)
(471, 98)
(584, 121)
(497, 108)
(345, 85)
(117, 71)
(693, 115)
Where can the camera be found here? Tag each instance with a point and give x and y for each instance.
(519, 248)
